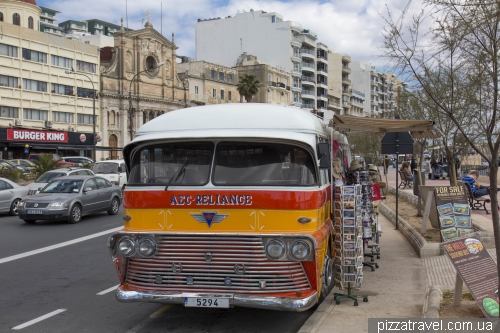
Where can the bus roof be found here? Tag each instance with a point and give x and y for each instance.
(233, 117)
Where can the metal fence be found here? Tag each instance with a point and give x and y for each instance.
(482, 169)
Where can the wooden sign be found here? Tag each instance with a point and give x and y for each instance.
(453, 212)
(478, 270)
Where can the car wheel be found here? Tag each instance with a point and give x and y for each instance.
(29, 221)
(75, 214)
(13, 207)
(115, 205)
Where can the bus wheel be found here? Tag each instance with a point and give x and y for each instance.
(327, 282)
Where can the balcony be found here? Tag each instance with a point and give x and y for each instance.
(310, 68)
(322, 70)
(346, 104)
(346, 81)
(307, 106)
(321, 45)
(271, 83)
(322, 97)
(98, 26)
(296, 72)
(322, 84)
(78, 27)
(346, 70)
(306, 53)
(297, 58)
(335, 106)
(308, 80)
(297, 42)
(307, 94)
(297, 87)
(346, 58)
(54, 32)
(296, 27)
(47, 15)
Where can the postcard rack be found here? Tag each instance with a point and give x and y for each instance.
(348, 242)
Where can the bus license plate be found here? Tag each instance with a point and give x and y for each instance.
(34, 211)
(206, 302)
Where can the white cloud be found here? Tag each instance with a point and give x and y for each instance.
(347, 26)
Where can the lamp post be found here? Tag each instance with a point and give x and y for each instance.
(131, 126)
(93, 109)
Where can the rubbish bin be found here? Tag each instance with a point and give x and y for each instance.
(415, 181)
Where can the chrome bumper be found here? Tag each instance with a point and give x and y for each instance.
(259, 302)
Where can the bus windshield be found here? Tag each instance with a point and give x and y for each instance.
(236, 164)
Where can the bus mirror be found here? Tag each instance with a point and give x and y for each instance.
(323, 152)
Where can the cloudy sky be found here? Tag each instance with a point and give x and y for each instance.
(348, 26)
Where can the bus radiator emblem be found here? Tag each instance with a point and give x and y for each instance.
(209, 217)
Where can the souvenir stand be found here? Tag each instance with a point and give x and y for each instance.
(348, 242)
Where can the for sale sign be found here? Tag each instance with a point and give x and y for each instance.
(36, 135)
(453, 212)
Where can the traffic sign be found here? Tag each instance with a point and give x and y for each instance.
(26, 150)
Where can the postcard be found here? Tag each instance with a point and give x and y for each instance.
(349, 230)
(259, 150)
(463, 221)
(349, 277)
(462, 232)
(348, 222)
(348, 190)
(349, 237)
(445, 209)
(338, 246)
(447, 221)
(349, 246)
(337, 213)
(349, 254)
(350, 262)
(337, 229)
(449, 233)
(459, 208)
(337, 221)
(338, 189)
(349, 213)
(337, 205)
(348, 197)
(349, 204)
(338, 197)
(250, 151)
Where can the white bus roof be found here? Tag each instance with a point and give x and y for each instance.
(235, 119)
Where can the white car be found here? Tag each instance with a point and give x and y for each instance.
(49, 176)
(82, 160)
(111, 170)
(10, 196)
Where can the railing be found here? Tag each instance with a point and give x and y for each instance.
(307, 106)
(307, 92)
(323, 95)
(297, 40)
(320, 56)
(281, 85)
(308, 79)
(74, 26)
(311, 52)
(321, 44)
(346, 80)
(323, 82)
(271, 83)
(333, 103)
(310, 32)
(358, 93)
(296, 25)
(344, 103)
(322, 70)
(306, 64)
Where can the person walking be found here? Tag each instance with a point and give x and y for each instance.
(413, 165)
(387, 162)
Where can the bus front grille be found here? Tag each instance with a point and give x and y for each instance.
(215, 264)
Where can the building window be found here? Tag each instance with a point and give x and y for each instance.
(213, 74)
(62, 89)
(34, 56)
(229, 77)
(9, 81)
(30, 22)
(85, 118)
(269, 78)
(63, 117)
(1, 17)
(61, 61)
(228, 95)
(16, 19)
(111, 117)
(196, 90)
(34, 85)
(35, 114)
(9, 112)
(214, 93)
(83, 92)
(221, 76)
(8, 50)
(222, 94)
(86, 66)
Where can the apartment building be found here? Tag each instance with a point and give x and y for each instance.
(47, 22)
(37, 96)
(285, 45)
(339, 83)
(209, 83)
(274, 83)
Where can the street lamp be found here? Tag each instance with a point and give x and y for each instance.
(158, 65)
(93, 108)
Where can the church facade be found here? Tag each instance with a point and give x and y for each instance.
(139, 82)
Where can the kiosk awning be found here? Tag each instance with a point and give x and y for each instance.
(419, 128)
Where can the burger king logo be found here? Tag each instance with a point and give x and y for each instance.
(83, 137)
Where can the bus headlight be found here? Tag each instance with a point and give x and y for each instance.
(147, 247)
(126, 246)
(275, 249)
(300, 250)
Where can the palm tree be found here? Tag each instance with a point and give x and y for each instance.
(247, 87)
(45, 163)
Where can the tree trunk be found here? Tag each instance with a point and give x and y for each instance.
(494, 208)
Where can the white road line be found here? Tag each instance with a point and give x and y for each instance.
(36, 320)
(56, 246)
(108, 290)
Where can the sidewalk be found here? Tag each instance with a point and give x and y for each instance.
(397, 289)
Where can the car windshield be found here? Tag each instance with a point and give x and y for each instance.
(63, 186)
(49, 176)
(105, 168)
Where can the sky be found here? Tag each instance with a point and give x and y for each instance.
(352, 27)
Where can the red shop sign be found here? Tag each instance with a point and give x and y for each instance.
(35, 135)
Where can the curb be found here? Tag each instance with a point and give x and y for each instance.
(320, 314)
(433, 303)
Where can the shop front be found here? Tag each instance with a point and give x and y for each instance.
(20, 142)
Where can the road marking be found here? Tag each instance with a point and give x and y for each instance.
(108, 290)
(56, 246)
(159, 312)
(36, 320)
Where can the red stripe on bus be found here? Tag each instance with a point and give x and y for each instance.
(291, 200)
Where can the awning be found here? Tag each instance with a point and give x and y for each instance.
(418, 128)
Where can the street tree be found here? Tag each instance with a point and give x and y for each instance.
(248, 86)
(450, 50)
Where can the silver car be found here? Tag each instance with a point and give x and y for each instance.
(10, 196)
(69, 198)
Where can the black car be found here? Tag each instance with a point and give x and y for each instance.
(9, 164)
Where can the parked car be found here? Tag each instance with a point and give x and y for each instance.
(24, 163)
(69, 198)
(81, 160)
(55, 157)
(49, 176)
(10, 196)
(9, 164)
(112, 170)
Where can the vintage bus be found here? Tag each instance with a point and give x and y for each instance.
(227, 205)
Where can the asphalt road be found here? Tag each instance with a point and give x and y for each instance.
(58, 277)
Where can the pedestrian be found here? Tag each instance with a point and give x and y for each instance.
(433, 166)
(404, 169)
(413, 165)
(387, 162)
(477, 189)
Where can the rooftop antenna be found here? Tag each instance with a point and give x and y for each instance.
(126, 11)
(142, 21)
